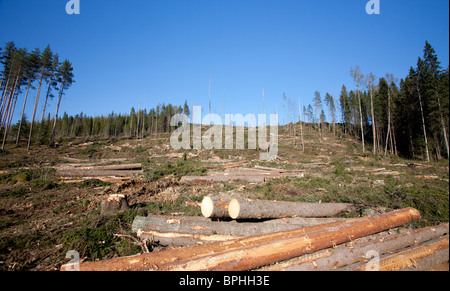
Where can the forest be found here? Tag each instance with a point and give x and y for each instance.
(407, 117)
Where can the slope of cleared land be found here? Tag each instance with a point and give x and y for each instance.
(43, 216)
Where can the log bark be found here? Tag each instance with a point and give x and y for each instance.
(258, 209)
(121, 167)
(182, 239)
(185, 231)
(415, 258)
(250, 175)
(355, 251)
(250, 257)
(249, 179)
(215, 207)
(152, 261)
(95, 173)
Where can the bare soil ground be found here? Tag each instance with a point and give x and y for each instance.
(42, 217)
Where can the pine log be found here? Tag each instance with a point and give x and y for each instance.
(185, 231)
(355, 251)
(250, 257)
(119, 167)
(182, 239)
(151, 261)
(228, 178)
(304, 221)
(215, 207)
(95, 173)
(258, 209)
(414, 258)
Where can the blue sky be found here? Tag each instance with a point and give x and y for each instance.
(141, 53)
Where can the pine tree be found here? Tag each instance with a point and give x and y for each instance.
(317, 105)
(64, 77)
(45, 63)
(431, 79)
(345, 108)
(370, 85)
(51, 73)
(358, 77)
(31, 63)
(417, 76)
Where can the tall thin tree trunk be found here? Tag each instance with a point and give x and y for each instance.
(423, 124)
(52, 138)
(35, 107)
(23, 108)
(137, 122)
(45, 106)
(374, 131)
(361, 121)
(443, 126)
(394, 139)
(389, 124)
(301, 123)
(10, 110)
(6, 117)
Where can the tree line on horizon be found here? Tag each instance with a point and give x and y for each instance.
(22, 70)
(408, 118)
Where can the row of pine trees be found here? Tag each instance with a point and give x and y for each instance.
(24, 72)
(407, 117)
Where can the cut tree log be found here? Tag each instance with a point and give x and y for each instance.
(355, 251)
(182, 239)
(250, 175)
(151, 261)
(258, 209)
(185, 231)
(120, 167)
(250, 257)
(414, 258)
(113, 204)
(95, 173)
(215, 207)
(227, 178)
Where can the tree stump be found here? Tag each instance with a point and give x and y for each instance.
(113, 204)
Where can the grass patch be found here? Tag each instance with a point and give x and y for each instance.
(182, 167)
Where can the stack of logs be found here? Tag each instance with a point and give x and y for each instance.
(299, 236)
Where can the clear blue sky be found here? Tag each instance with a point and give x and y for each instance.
(136, 53)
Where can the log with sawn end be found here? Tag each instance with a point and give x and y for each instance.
(259, 209)
(215, 207)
